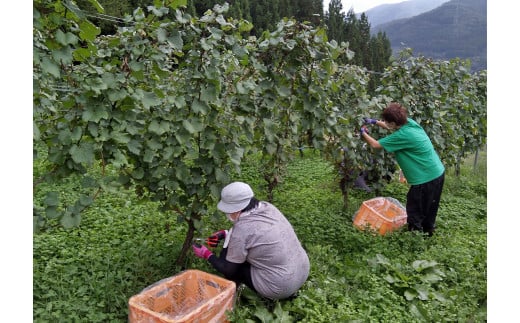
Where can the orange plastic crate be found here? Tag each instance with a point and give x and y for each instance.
(190, 296)
(380, 214)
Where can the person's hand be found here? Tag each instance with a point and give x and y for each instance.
(369, 121)
(201, 251)
(363, 130)
(213, 240)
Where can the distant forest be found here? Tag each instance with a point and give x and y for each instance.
(371, 51)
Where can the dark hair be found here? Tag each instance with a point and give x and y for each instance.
(252, 204)
(395, 112)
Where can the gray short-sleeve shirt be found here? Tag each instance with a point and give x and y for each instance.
(264, 238)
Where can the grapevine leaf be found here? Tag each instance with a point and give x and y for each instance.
(159, 127)
(97, 5)
(199, 106)
(120, 137)
(94, 113)
(175, 40)
(193, 126)
(81, 54)
(50, 67)
(36, 131)
(82, 153)
(150, 100)
(162, 35)
(76, 134)
(208, 93)
(88, 31)
(63, 55)
(134, 146)
(65, 39)
(148, 155)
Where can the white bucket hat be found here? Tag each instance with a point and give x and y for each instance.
(235, 197)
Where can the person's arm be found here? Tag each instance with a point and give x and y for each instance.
(381, 124)
(369, 139)
(227, 268)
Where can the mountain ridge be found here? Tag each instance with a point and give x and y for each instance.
(457, 28)
(406, 9)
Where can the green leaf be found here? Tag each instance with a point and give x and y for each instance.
(66, 38)
(199, 107)
(120, 137)
(420, 265)
(118, 159)
(391, 279)
(134, 146)
(50, 67)
(237, 155)
(36, 131)
(70, 220)
(148, 155)
(52, 199)
(76, 134)
(115, 95)
(97, 5)
(431, 278)
(63, 55)
(410, 294)
(162, 35)
(88, 31)
(84, 153)
(221, 176)
(81, 54)
(208, 93)
(150, 100)
(193, 126)
(422, 292)
(85, 200)
(51, 212)
(94, 113)
(159, 127)
(263, 314)
(175, 40)
(159, 12)
(177, 3)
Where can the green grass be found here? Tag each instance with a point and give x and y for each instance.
(87, 274)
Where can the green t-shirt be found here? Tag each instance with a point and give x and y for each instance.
(414, 152)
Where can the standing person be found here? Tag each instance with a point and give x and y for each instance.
(418, 160)
(261, 250)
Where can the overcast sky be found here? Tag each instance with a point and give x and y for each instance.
(360, 5)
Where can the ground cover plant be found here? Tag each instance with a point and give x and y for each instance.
(123, 244)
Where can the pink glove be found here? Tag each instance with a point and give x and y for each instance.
(201, 251)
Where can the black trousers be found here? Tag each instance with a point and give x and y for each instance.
(242, 272)
(422, 204)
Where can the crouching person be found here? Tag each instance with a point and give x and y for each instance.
(261, 250)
